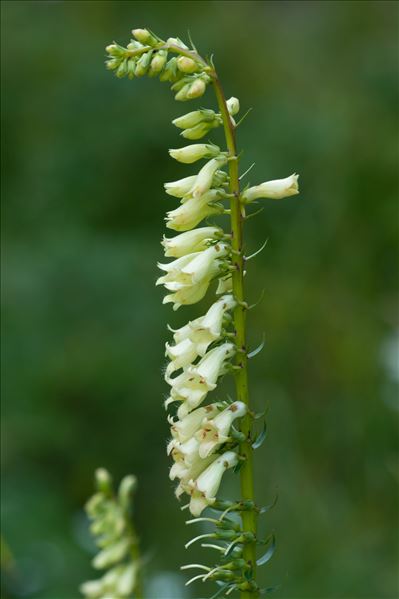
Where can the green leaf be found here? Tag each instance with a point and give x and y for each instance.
(270, 590)
(220, 591)
(238, 466)
(268, 507)
(256, 351)
(261, 437)
(268, 554)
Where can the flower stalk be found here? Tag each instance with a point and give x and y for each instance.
(237, 216)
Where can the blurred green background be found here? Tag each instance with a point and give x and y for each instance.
(84, 159)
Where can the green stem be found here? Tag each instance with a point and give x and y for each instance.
(241, 376)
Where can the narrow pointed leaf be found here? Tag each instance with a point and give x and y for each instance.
(261, 437)
(268, 554)
(254, 352)
(268, 507)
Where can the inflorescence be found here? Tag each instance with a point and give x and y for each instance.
(206, 439)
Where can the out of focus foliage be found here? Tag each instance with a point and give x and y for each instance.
(84, 328)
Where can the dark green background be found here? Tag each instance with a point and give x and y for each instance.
(85, 156)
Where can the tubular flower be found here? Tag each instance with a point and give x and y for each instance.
(183, 187)
(203, 490)
(208, 329)
(190, 154)
(184, 429)
(190, 241)
(194, 210)
(215, 431)
(204, 178)
(275, 190)
(193, 384)
(189, 276)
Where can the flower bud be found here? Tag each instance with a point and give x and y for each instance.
(204, 179)
(115, 50)
(197, 89)
(112, 64)
(133, 46)
(111, 554)
(187, 65)
(233, 105)
(190, 154)
(131, 68)
(144, 37)
(191, 119)
(175, 41)
(121, 71)
(181, 95)
(143, 64)
(157, 63)
(103, 481)
(127, 580)
(199, 130)
(92, 588)
(275, 190)
(127, 486)
(170, 71)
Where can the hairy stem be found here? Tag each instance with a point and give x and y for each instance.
(241, 376)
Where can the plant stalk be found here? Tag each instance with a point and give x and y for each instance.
(241, 377)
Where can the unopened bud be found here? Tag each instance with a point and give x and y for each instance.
(175, 41)
(182, 95)
(122, 69)
(186, 64)
(115, 50)
(197, 89)
(143, 64)
(233, 105)
(199, 130)
(103, 480)
(190, 154)
(191, 119)
(180, 83)
(170, 71)
(131, 67)
(112, 64)
(157, 63)
(133, 46)
(145, 37)
(126, 488)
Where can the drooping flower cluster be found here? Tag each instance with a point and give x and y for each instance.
(147, 54)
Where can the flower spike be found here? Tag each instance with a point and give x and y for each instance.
(207, 437)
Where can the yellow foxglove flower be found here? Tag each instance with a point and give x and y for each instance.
(190, 154)
(275, 190)
(206, 486)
